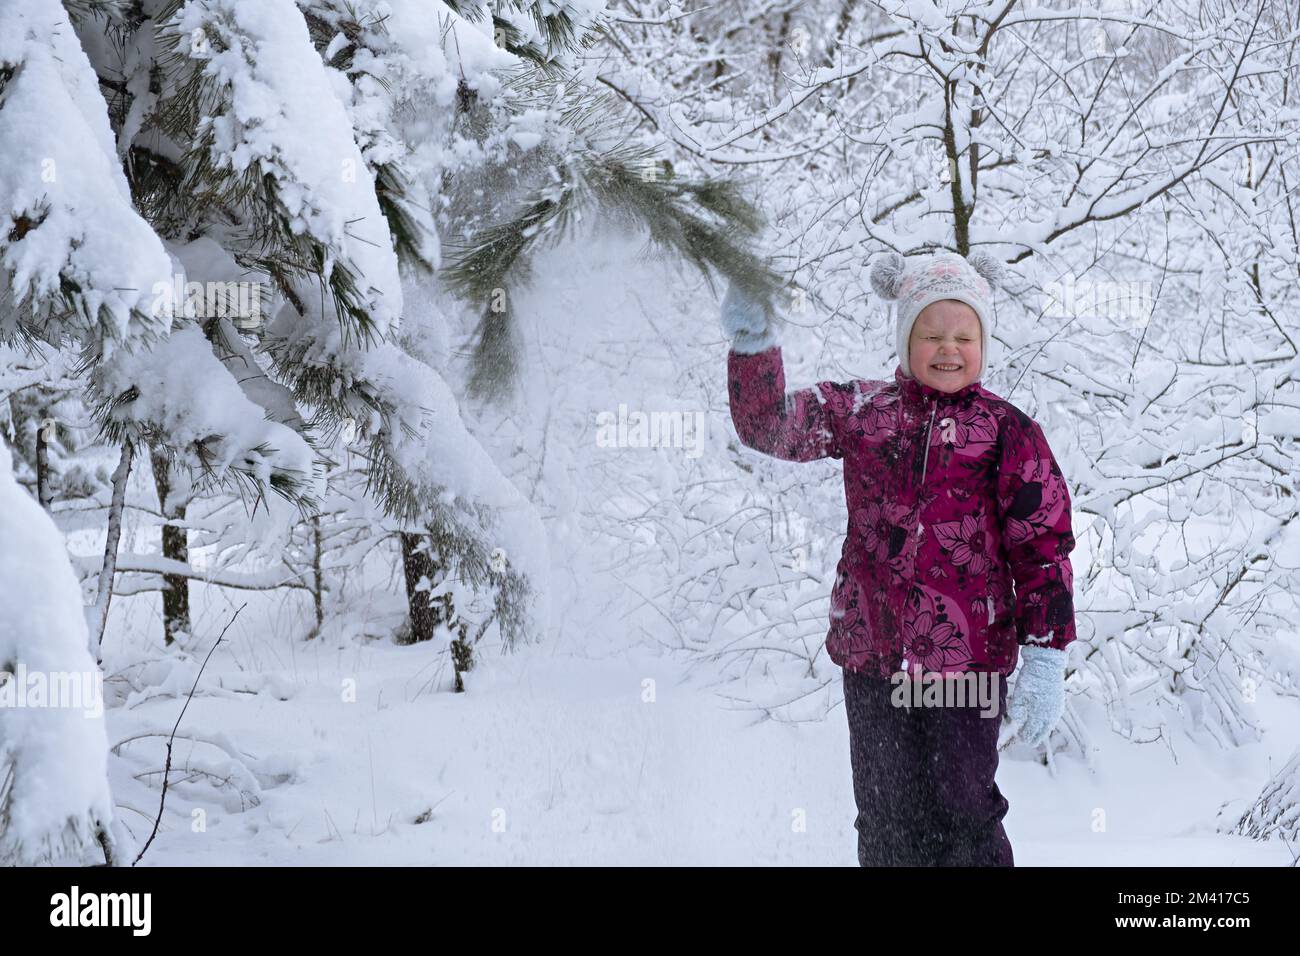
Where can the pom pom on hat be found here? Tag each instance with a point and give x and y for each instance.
(989, 266)
(887, 275)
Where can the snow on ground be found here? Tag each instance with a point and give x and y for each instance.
(556, 758)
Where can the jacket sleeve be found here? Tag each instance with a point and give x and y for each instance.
(796, 426)
(1034, 510)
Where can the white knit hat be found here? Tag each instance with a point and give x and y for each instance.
(916, 281)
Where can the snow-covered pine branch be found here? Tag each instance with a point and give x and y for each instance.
(76, 259)
(273, 145)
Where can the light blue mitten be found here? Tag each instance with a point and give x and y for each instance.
(1039, 697)
(751, 326)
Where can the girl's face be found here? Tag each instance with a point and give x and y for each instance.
(945, 349)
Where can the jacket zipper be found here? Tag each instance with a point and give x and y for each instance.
(934, 406)
(920, 525)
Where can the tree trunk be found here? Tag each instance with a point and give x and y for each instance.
(175, 545)
(428, 614)
(42, 468)
(774, 55)
(418, 564)
(318, 579)
(99, 613)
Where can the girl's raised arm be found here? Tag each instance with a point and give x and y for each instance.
(794, 426)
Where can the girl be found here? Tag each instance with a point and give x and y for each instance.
(956, 558)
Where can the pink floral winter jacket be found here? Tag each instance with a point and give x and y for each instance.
(959, 536)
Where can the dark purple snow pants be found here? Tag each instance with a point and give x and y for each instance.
(923, 780)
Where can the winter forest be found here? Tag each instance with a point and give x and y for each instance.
(369, 485)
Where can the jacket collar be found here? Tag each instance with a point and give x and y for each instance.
(916, 391)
